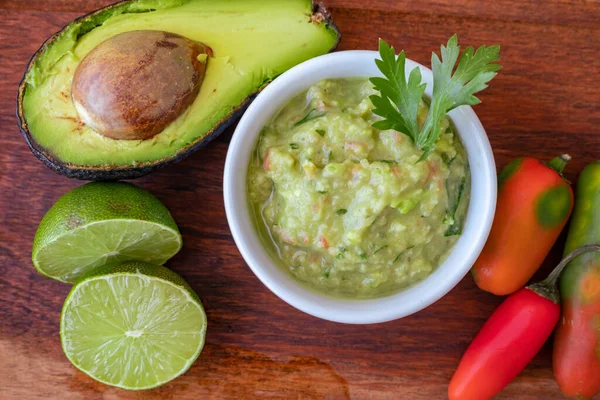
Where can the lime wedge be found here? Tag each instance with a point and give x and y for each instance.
(103, 224)
(136, 327)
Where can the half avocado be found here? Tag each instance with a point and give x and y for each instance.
(141, 84)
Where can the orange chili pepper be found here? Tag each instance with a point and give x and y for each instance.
(534, 204)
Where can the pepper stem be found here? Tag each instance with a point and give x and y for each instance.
(547, 288)
(559, 163)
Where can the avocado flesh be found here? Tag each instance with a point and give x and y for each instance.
(253, 41)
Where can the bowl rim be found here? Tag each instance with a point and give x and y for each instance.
(476, 228)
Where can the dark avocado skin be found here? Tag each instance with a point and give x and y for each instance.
(98, 174)
(105, 173)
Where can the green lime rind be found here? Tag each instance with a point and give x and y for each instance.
(103, 223)
(136, 326)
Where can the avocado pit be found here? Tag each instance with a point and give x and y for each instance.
(133, 85)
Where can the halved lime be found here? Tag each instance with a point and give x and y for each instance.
(103, 224)
(135, 327)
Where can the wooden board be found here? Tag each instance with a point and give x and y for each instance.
(545, 101)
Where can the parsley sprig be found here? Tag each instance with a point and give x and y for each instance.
(398, 99)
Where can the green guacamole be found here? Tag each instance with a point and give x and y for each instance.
(347, 209)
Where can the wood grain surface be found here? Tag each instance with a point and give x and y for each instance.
(545, 101)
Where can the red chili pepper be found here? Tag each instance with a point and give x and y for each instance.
(510, 338)
(534, 204)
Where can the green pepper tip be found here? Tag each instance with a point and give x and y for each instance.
(559, 163)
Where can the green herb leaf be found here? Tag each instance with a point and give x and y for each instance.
(447, 160)
(450, 218)
(320, 132)
(361, 254)
(312, 114)
(453, 230)
(379, 249)
(293, 146)
(398, 99)
(475, 69)
(401, 253)
(389, 161)
(341, 211)
(398, 102)
(322, 191)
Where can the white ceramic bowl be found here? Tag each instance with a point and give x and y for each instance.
(441, 281)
